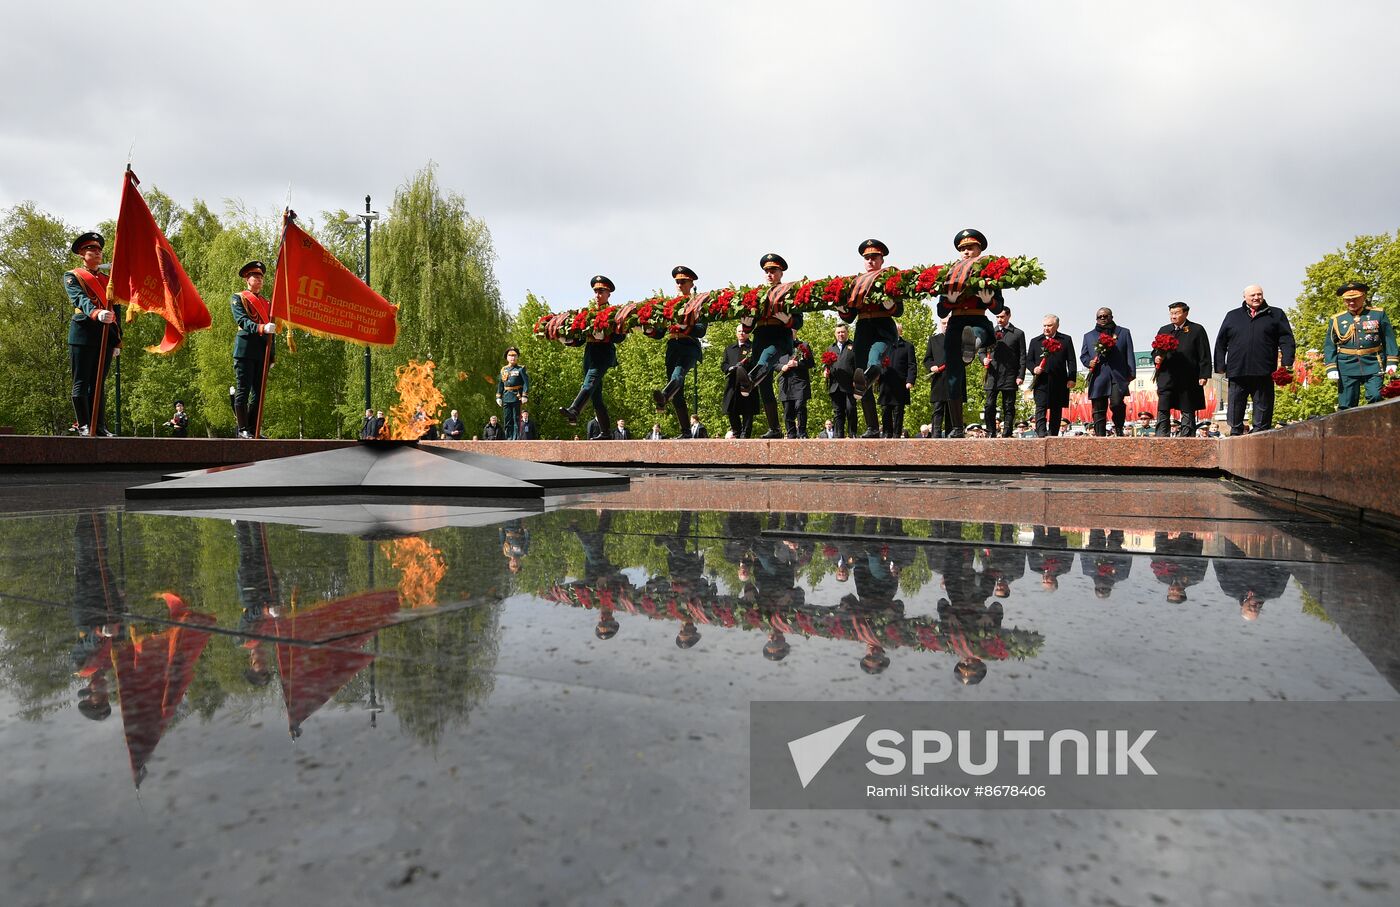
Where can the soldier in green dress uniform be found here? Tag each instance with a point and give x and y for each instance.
(1361, 344)
(599, 355)
(773, 343)
(683, 353)
(251, 346)
(93, 319)
(512, 389)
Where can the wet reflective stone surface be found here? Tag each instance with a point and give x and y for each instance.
(387, 702)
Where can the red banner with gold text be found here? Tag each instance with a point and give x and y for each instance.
(146, 275)
(318, 294)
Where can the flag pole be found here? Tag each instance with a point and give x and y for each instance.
(287, 215)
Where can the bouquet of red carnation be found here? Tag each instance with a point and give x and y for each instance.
(828, 358)
(1282, 376)
(1105, 343)
(1164, 345)
(1049, 346)
(884, 362)
(803, 349)
(1390, 389)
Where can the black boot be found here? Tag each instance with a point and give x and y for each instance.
(682, 415)
(600, 412)
(240, 415)
(872, 419)
(887, 421)
(663, 396)
(570, 412)
(770, 411)
(743, 380)
(955, 414)
(859, 385)
(969, 344)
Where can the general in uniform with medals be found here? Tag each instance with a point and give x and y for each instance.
(252, 348)
(512, 389)
(1361, 344)
(94, 334)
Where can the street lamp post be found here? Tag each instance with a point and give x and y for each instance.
(368, 217)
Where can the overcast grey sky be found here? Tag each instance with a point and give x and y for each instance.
(1145, 153)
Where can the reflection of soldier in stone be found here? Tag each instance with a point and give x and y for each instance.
(515, 544)
(687, 636)
(1251, 583)
(98, 604)
(1002, 565)
(1178, 562)
(776, 648)
(1104, 561)
(1050, 564)
(875, 661)
(969, 616)
(600, 572)
(259, 595)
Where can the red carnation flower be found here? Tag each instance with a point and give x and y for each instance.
(928, 279)
(828, 358)
(1106, 342)
(1282, 377)
(996, 648)
(884, 361)
(928, 638)
(1391, 389)
(1051, 345)
(726, 616)
(832, 291)
(892, 283)
(603, 320)
(804, 294)
(996, 269)
(804, 623)
(644, 311)
(750, 300)
(580, 320)
(668, 311)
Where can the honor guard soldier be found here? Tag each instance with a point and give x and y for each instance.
(875, 333)
(1361, 344)
(180, 422)
(683, 353)
(772, 340)
(599, 355)
(252, 348)
(94, 333)
(966, 310)
(512, 389)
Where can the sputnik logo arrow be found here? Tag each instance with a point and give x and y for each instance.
(811, 753)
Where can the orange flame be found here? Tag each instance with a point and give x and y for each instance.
(422, 569)
(419, 401)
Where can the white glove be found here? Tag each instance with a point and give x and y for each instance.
(116, 351)
(105, 317)
(986, 296)
(269, 328)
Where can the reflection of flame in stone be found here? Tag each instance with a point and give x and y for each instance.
(422, 567)
(417, 394)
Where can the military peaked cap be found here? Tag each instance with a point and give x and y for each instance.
(86, 238)
(873, 244)
(250, 267)
(772, 258)
(969, 235)
(682, 270)
(600, 279)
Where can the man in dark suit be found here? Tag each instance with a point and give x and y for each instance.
(621, 433)
(1111, 371)
(452, 429)
(838, 382)
(896, 381)
(936, 364)
(493, 430)
(1006, 369)
(1252, 340)
(1050, 357)
(739, 408)
(528, 431)
(1182, 373)
(367, 427)
(828, 431)
(795, 389)
(697, 428)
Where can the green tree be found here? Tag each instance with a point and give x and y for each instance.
(34, 313)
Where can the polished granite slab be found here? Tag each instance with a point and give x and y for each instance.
(403, 701)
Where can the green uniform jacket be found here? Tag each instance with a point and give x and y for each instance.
(83, 329)
(249, 343)
(512, 383)
(1360, 345)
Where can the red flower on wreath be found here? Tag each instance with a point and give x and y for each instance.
(804, 294)
(804, 623)
(832, 291)
(996, 648)
(580, 320)
(649, 605)
(996, 269)
(835, 629)
(892, 282)
(1282, 377)
(828, 358)
(928, 279)
(668, 311)
(726, 616)
(753, 618)
(603, 320)
(644, 311)
(750, 300)
(928, 638)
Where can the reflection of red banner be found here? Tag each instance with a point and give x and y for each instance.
(318, 294)
(312, 674)
(153, 673)
(146, 275)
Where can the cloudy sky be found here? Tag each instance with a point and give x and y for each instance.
(1145, 153)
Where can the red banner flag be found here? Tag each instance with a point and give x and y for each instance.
(146, 275)
(318, 294)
